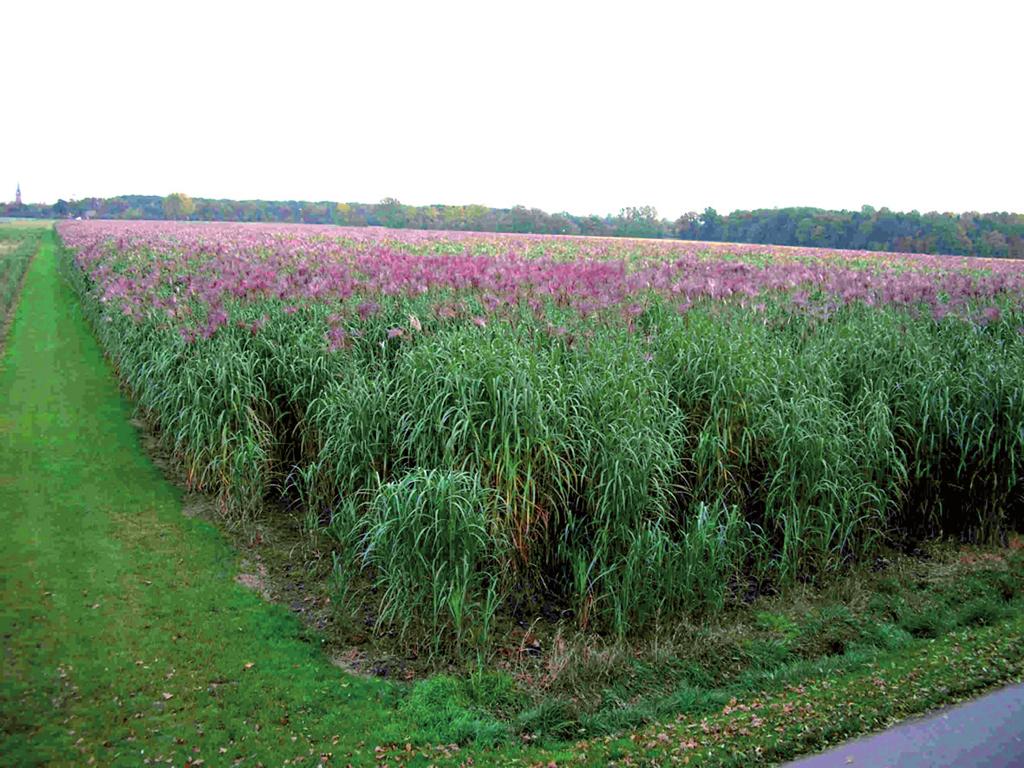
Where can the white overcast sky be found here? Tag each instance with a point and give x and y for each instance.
(583, 107)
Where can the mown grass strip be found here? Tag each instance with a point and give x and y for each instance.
(124, 637)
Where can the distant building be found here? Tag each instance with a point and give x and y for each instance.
(17, 195)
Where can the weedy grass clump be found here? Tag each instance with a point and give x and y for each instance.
(450, 711)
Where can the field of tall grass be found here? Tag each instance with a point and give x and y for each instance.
(630, 431)
(17, 245)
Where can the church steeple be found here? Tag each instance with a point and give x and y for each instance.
(17, 195)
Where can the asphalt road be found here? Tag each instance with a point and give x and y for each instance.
(984, 733)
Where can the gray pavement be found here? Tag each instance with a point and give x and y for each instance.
(984, 733)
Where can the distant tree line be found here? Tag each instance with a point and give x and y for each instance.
(972, 234)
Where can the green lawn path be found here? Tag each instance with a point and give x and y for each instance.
(124, 635)
(126, 639)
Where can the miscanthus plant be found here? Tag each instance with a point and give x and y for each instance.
(473, 427)
(435, 554)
